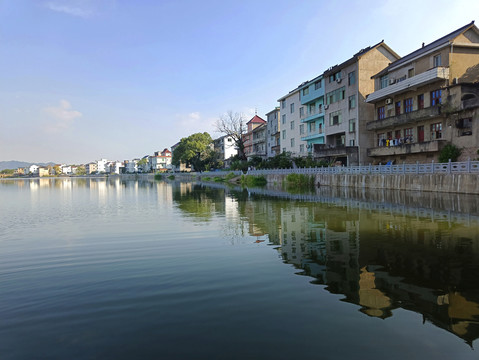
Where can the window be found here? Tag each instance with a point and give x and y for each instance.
(335, 76)
(397, 108)
(230, 139)
(311, 108)
(317, 85)
(436, 131)
(284, 134)
(301, 111)
(291, 107)
(351, 142)
(301, 129)
(292, 142)
(410, 73)
(383, 81)
(352, 78)
(436, 60)
(301, 148)
(420, 101)
(283, 104)
(352, 101)
(336, 95)
(407, 132)
(397, 134)
(284, 150)
(306, 91)
(464, 126)
(335, 118)
(352, 125)
(408, 105)
(381, 113)
(292, 125)
(283, 119)
(435, 97)
(311, 127)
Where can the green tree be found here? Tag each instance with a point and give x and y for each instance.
(7, 171)
(142, 164)
(57, 169)
(81, 170)
(194, 150)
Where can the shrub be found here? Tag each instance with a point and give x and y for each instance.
(449, 151)
(229, 176)
(158, 177)
(218, 179)
(171, 177)
(250, 180)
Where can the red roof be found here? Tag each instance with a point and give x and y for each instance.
(256, 119)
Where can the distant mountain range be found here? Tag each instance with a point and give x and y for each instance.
(13, 164)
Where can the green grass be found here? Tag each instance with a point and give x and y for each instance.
(218, 179)
(251, 180)
(299, 182)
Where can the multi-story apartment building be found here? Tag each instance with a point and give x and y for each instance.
(91, 168)
(273, 147)
(248, 137)
(421, 100)
(101, 166)
(346, 113)
(289, 123)
(311, 114)
(259, 141)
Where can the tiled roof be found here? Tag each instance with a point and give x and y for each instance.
(256, 119)
(444, 40)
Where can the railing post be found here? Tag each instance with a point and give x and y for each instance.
(417, 167)
(403, 167)
(432, 167)
(369, 168)
(449, 170)
(468, 165)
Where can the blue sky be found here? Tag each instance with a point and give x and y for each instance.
(119, 79)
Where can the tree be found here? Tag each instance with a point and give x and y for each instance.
(142, 164)
(57, 169)
(195, 149)
(81, 170)
(450, 151)
(234, 126)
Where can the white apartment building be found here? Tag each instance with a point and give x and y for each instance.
(101, 166)
(290, 138)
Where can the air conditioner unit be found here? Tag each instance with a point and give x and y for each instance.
(392, 81)
(338, 80)
(326, 107)
(389, 101)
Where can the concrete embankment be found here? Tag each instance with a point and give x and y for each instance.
(446, 183)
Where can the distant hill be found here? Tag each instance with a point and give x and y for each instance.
(13, 164)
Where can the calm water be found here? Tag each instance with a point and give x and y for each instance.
(107, 269)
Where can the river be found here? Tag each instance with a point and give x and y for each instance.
(112, 269)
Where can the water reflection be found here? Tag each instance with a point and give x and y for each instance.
(379, 249)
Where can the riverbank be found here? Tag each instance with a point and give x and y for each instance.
(446, 183)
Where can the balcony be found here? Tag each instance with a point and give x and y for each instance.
(410, 117)
(322, 150)
(259, 140)
(313, 115)
(313, 94)
(313, 135)
(405, 149)
(427, 77)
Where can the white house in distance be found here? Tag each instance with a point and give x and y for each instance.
(160, 161)
(225, 146)
(101, 166)
(131, 166)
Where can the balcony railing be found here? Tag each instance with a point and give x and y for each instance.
(421, 79)
(313, 135)
(398, 120)
(404, 149)
(312, 115)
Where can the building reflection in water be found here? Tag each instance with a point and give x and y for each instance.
(380, 260)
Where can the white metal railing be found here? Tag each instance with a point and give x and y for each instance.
(427, 168)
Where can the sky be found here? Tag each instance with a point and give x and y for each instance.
(82, 80)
